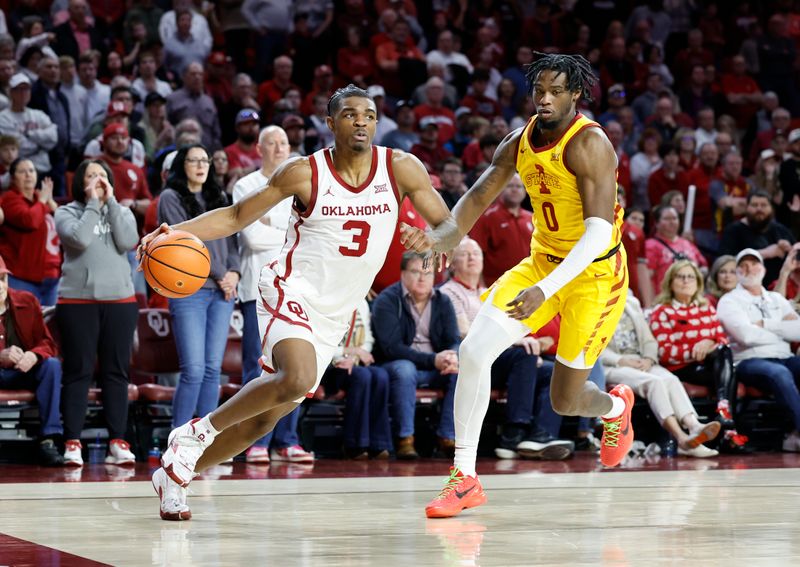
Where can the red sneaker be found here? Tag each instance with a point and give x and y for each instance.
(458, 493)
(618, 432)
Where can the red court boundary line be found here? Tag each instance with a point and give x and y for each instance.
(21, 552)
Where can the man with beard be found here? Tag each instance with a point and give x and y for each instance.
(243, 156)
(762, 325)
(130, 183)
(759, 230)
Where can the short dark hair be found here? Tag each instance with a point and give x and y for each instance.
(667, 148)
(335, 102)
(577, 69)
(758, 193)
(78, 189)
(12, 169)
(660, 210)
(489, 140)
(409, 256)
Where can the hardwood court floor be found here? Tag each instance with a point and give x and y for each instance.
(690, 513)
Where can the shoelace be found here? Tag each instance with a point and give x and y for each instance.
(612, 432)
(450, 483)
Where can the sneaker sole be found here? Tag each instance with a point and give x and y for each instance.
(708, 433)
(551, 453)
(297, 461)
(501, 453)
(170, 516)
(257, 461)
(73, 463)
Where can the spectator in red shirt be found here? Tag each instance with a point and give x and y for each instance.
(616, 136)
(693, 54)
(131, 188)
(633, 240)
(443, 116)
(476, 100)
(504, 232)
(271, 91)
(354, 61)
(687, 149)
(691, 341)
(666, 178)
(390, 56)
(729, 191)
(390, 272)
(429, 150)
(780, 120)
(665, 120)
(741, 92)
(243, 154)
(28, 240)
(703, 229)
(666, 247)
(29, 359)
(322, 85)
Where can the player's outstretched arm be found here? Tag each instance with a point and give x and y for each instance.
(450, 228)
(292, 178)
(482, 194)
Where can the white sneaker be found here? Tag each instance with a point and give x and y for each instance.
(701, 452)
(119, 453)
(257, 455)
(172, 498)
(184, 446)
(792, 443)
(72, 453)
(293, 454)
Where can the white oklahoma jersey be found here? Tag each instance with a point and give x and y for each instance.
(334, 248)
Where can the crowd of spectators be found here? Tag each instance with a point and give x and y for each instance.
(699, 99)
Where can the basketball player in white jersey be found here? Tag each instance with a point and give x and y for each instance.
(346, 202)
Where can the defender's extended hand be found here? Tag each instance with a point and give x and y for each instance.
(147, 239)
(526, 302)
(415, 239)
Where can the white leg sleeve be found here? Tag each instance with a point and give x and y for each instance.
(490, 334)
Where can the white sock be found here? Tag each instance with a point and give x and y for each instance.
(490, 334)
(616, 409)
(204, 426)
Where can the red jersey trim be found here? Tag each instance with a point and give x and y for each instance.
(373, 168)
(70, 301)
(555, 142)
(566, 146)
(390, 171)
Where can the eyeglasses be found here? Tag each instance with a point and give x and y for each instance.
(198, 161)
(685, 277)
(417, 274)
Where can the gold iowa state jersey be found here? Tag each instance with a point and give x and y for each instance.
(553, 189)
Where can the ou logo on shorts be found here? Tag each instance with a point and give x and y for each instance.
(296, 309)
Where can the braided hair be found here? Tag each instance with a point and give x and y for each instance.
(578, 71)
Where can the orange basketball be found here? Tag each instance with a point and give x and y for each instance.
(176, 264)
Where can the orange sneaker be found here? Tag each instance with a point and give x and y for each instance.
(458, 493)
(618, 432)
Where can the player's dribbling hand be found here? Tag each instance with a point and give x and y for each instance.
(147, 239)
(421, 241)
(526, 302)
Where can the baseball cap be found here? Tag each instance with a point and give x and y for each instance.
(794, 135)
(3, 268)
(292, 121)
(769, 153)
(404, 103)
(323, 70)
(616, 89)
(462, 110)
(115, 128)
(376, 90)
(427, 121)
(116, 108)
(153, 98)
(749, 252)
(247, 115)
(19, 79)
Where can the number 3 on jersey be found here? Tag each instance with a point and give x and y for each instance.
(548, 209)
(360, 238)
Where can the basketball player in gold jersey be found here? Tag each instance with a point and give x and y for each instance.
(576, 268)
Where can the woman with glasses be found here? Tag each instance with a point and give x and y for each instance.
(692, 344)
(200, 321)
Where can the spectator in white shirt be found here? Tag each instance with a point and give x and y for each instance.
(762, 325)
(445, 55)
